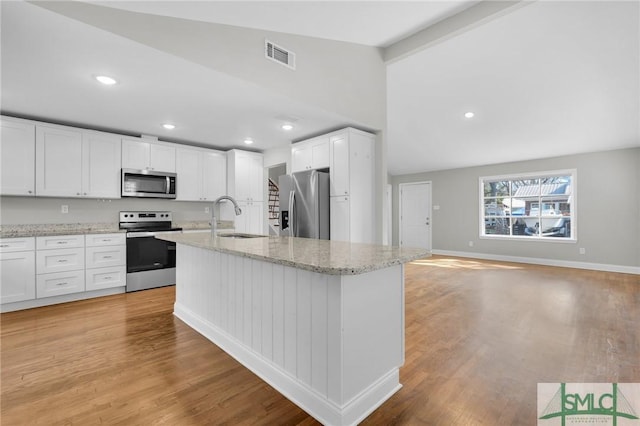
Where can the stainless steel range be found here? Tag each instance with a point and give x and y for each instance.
(150, 262)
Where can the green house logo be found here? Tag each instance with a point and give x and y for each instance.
(589, 403)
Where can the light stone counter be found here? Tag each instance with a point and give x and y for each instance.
(53, 229)
(322, 256)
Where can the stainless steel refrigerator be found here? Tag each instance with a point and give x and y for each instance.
(304, 204)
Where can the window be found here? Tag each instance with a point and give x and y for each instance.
(538, 206)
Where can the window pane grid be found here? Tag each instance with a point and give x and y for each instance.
(526, 207)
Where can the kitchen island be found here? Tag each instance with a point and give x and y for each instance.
(320, 321)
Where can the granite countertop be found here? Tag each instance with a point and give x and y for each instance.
(327, 257)
(53, 229)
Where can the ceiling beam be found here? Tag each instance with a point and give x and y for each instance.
(474, 16)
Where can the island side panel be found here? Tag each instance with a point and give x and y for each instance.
(373, 328)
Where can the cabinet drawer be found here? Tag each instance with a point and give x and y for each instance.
(59, 283)
(100, 278)
(97, 240)
(8, 245)
(48, 261)
(60, 242)
(102, 257)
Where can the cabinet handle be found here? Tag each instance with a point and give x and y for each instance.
(4, 245)
(77, 193)
(107, 278)
(29, 192)
(61, 242)
(85, 193)
(106, 240)
(107, 257)
(62, 261)
(61, 284)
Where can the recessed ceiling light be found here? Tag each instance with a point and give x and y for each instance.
(469, 114)
(248, 141)
(106, 80)
(169, 126)
(287, 126)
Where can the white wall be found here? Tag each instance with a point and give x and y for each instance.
(608, 209)
(32, 210)
(345, 78)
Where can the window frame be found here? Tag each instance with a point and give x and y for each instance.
(527, 176)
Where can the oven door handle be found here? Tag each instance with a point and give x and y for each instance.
(137, 234)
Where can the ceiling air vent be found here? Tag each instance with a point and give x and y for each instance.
(280, 55)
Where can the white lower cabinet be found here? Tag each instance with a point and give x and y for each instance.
(57, 283)
(17, 270)
(59, 270)
(59, 260)
(99, 278)
(106, 260)
(36, 268)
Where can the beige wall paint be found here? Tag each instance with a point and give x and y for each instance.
(608, 202)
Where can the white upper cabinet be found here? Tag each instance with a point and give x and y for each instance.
(101, 165)
(202, 174)
(245, 175)
(17, 162)
(352, 184)
(58, 162)
(143, 155)
(339, 171)
(214, 175)
(310, 154)
(75, 163)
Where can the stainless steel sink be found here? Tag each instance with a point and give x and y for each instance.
(240, 235)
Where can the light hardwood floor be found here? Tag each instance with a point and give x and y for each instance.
(480, 335)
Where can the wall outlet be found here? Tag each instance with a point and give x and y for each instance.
(583, 250)
(470, 243)
(64, 208)
(206, 209)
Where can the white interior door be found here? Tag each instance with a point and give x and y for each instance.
(415, 215)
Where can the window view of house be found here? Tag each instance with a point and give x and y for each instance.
(529, 206)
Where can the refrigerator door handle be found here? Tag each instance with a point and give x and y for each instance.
(292, 214)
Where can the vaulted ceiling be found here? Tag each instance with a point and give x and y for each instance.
(543, 79)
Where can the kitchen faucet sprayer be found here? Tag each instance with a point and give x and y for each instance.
(216, 205)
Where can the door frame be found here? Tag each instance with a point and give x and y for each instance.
(400, 195)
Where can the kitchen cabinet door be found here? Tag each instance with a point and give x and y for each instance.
(320, 153)
(101, 154)
(189, 170)
(245, 175)
(300, 157)
(340, 217)
(339, 171)
(214, 175)
(17, 276)
(18, 160)
(251, 219)
(162, 158)
(58, 162)
(135, 154)
(139, 154)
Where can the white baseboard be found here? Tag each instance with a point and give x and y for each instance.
(54, 300)
(320, 408)
(539, 261)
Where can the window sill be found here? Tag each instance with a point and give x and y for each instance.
(560, 240)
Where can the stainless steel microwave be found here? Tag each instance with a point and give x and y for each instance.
(148, 184)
